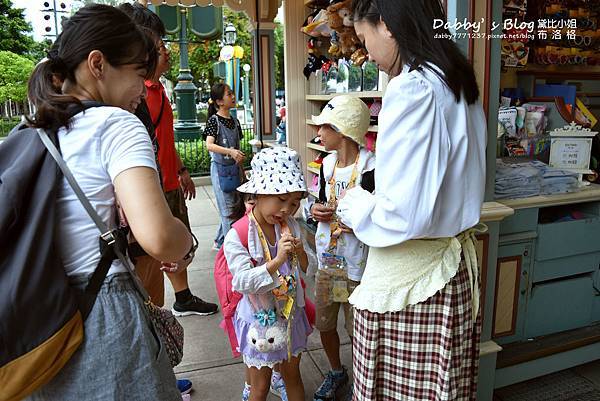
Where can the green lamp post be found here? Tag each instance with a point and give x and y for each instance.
(206, 23)
(187, 126)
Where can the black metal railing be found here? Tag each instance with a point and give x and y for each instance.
(193, 152)
(195, 156)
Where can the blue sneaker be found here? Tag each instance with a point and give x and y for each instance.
(246, 392)
(278, 386)
(184, 386)
(332, 383)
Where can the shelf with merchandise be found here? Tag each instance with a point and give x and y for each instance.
(313, 170)
(372, 128)
(328, 97)
(316, 147)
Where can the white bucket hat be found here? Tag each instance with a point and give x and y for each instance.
(275, 171)
(349, 115)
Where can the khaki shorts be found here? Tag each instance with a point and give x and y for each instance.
(176, 203)
(326, 310)
(148, 270)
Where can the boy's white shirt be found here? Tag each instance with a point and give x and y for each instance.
(348, 245)
(250, 279)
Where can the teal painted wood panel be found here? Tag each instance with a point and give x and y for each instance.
(559, 306)
(169, 15)
(523, 251)
(596, 304)
(207, 22)
(564, 267)
(556, 240)
(523, 220)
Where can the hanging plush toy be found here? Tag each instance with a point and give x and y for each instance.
(359, 57)
(344, 41)
(316, 3)
(313, 64)
(267, 338)
(316, 25)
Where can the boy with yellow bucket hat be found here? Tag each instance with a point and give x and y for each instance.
(343, 123)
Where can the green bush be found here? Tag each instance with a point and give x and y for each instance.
(195, 157)
(202, 116)
(6, 124)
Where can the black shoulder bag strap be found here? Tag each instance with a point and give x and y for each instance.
(113, 243)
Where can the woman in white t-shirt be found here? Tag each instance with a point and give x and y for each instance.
(417, 321)
(102, 56)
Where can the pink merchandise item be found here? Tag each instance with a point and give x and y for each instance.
(371, 138)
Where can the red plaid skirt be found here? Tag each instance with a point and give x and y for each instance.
(428, 351)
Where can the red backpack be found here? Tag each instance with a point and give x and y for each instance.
(229, 299)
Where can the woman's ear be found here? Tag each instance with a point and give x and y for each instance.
(96, 64)
(383, 28)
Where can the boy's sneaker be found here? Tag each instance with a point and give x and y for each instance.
(278, 386)
(194, 306)
(333, 381)
(246, 392)
(184, 386)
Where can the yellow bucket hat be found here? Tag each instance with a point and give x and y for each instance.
(348, 115)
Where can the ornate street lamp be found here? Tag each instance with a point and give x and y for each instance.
(230, 35)
(232, 55)
(247, 112)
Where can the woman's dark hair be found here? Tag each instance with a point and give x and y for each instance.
(411, 24)
(217, 91)
(93, 27)
(238, 209)
(144, 17)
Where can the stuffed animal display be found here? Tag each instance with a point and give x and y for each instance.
(332, 35)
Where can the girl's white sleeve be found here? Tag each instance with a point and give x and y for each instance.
(247, 278)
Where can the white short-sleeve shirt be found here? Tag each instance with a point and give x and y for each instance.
(101, 143)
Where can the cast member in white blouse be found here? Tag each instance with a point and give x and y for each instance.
(417, 323)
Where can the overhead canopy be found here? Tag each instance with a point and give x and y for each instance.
(267, 8)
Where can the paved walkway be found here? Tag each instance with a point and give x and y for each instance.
(207, 357)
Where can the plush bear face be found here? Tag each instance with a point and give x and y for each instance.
(339, 14)
(267, 338)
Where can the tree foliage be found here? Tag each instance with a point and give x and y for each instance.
(81, 3)
(14, 34)
(14, 73)
(279, 58)
(204, 54)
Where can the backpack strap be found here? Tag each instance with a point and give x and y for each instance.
(241, 227)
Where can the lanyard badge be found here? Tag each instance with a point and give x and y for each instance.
(334, 225)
